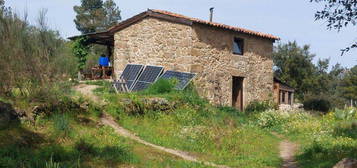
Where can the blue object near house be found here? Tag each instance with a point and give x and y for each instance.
(104, 61)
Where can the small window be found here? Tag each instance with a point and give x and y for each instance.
(238, 45)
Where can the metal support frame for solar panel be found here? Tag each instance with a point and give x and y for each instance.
(149, 75)
(184, 78)
(127, 79)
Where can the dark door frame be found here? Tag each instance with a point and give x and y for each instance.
(237, 92)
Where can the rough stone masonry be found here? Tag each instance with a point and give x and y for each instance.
(201, 49)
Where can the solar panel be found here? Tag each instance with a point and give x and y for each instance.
(182, 77)
(131, 73)
(147, 77)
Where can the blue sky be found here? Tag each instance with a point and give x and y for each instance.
(289, 19)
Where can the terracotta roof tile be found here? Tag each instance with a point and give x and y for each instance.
(150, 12)
(238, 29)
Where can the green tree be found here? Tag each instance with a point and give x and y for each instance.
(338, 14)
(349, 84)
(90, 16)
(80, 50)
(112, 13)
(94, 15)
(293, 65)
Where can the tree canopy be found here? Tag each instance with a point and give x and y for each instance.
(294, 65)
(338, 14)
(349, 84)
(96, 15)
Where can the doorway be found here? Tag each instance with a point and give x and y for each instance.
(237, 92)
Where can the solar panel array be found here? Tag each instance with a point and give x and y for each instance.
(131, 73)
(182, 78)
(149, 75)
(137, 77)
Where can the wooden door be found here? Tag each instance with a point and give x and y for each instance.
(237, 92)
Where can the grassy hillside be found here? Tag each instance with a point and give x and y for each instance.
(187, 122)
(71, 135)
(68, 132)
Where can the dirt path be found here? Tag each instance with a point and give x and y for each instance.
(87, 90)
(287, 152)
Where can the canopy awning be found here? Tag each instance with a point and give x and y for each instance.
(102, 38)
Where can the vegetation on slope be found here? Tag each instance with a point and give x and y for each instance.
(71, 135)
(183, 120)
(324, 140)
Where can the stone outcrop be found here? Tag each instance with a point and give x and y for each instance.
(346, 163)
(144, 105)
(203, 50)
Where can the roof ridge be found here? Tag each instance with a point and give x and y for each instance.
(216, 24)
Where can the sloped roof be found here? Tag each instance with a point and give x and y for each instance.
(285, 85)
(174, 17)
(107, 38)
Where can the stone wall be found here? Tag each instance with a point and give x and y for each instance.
(154, 42)
(201, 49)
(215, 65)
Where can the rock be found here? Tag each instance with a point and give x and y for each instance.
(157, 104)
(346, 163)
(140, 106)
(7, 114)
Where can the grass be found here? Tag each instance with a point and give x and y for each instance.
(324, 140)
(75, 138)
(218, 134)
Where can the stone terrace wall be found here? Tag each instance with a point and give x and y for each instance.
(203, 50)
(154, 42)
(215, 64)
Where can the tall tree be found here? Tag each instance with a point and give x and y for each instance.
(90, 16)
(349, 84)
(338, 14)
(112, 13)
(294, 66)
(94, 15)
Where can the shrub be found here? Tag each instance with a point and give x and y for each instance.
(345, 114)
(346, 128)
(260, 106)
(32, 57)
(161, 86)
(134, 106)
(271, 118)
(317, 104)
(191, 96)
(326, 151)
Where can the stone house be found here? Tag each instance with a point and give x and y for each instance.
(233, 65)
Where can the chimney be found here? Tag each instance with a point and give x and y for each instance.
(211, 14)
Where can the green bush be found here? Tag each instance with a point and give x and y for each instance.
(345, 114)
(317, 104)
(191, 96)
(134, 106)
(260, 106)
(327, 151)
(346, 129)
(161, 86)
(270, 119)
